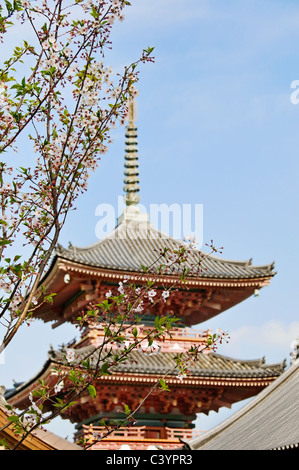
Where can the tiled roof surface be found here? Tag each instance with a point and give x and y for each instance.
(207, 365)
(211, 366)
(268, 422)
(135, 243)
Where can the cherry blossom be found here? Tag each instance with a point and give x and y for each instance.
(150, 349)
(165, 295)
(58, 387)
(151, 294)
(70, 354)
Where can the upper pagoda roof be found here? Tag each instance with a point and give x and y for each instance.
(135, 242)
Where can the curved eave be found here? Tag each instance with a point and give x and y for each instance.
(137, 242)
(234, 290)
(117, 274)
(66, 265)
(211, 267)
(213, 369)
(248, 380)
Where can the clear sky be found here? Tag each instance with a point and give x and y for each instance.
(217, 127)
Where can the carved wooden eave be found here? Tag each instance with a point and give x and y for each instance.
(195, 395)
(200, 299)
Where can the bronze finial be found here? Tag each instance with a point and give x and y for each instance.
(131, 180)
(132, 111)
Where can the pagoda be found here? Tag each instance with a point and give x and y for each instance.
(80, 276)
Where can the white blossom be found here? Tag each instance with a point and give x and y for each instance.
(181, 376)
(151, 294)
(165, 295)
(34, 406)
(139, 308)
(121, 288)
(26, 4)
(58, 387)
(46, 45)
(154, 348)
(70, 354)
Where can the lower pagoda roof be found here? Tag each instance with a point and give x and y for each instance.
(206, 365)
(208, 370)
(213, 381)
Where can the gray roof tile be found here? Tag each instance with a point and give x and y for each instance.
(207, 365)
(135, 243)
(270, 421)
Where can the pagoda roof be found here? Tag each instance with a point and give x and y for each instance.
(206, 365)
(211, 367)
(268, 422)
(80, 275)
(211, 373)
(135, 242)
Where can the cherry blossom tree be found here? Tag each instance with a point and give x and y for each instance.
(58, 95)
(65, 104)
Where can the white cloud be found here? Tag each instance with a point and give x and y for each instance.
(272, 340)
(273, 333)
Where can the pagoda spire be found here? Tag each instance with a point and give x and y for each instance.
(131, 172)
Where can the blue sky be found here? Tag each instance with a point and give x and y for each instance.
(216, 127)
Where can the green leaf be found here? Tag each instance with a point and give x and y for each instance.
(135, 332)
(104, 369)
(14, 418)
(86, 364)
(59, 402)
(163, 385)
(5, 242)
(127, 409)
(149, 50)
(70, 404)
(94, 13)
(92, 391)
(49, 298)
